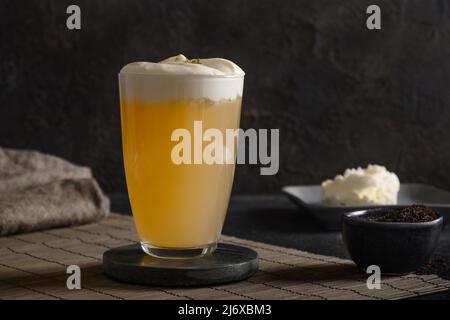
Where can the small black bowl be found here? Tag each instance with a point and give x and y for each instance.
(396, 247)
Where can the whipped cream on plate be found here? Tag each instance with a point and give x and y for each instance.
(373, 185)
(213, 78)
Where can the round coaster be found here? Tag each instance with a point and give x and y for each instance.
(227, 264)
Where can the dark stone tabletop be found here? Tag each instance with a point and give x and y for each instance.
(275, 220)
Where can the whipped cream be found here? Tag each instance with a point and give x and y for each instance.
(372, 185)
(214, 79)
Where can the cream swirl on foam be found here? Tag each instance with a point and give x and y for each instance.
(214, 79)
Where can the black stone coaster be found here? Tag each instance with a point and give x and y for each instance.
(228, 263)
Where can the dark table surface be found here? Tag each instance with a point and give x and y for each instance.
(275, 220)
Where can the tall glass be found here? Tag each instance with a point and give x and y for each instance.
(178, 208)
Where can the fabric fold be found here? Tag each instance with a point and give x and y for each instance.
(40, 191)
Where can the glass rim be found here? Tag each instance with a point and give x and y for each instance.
(182, 75)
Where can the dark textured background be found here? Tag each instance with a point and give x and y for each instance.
(341, 95)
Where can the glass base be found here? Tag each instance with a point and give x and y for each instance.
(172, 253)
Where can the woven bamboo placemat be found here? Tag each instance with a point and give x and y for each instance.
(33, 266)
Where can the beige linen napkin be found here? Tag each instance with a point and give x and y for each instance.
(39, 191)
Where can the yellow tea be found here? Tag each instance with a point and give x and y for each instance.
(175, 205)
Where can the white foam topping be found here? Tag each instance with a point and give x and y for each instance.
(226, 81)
(180, 65)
